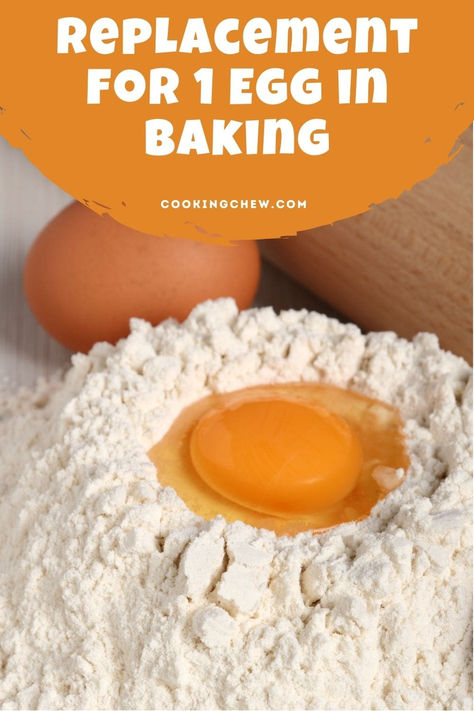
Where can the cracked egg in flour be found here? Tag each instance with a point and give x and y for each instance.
(290, 457)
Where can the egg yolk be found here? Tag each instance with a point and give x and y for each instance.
(289, 457)
(277, 456)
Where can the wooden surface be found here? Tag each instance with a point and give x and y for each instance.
(405, 265)
(27, 202)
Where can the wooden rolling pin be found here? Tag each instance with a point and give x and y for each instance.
(404, 266)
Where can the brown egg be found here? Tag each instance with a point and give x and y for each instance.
(86, 276)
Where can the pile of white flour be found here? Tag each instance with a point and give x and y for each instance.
(114, 595)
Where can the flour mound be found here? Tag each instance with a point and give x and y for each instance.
(114, 595)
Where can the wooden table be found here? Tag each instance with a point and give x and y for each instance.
(28, 201)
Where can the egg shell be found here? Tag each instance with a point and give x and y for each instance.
(86, 275)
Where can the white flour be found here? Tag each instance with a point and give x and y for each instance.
(115, 595)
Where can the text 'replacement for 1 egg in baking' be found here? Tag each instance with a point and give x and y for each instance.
(222, 126)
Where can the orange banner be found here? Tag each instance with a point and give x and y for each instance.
(220, 125)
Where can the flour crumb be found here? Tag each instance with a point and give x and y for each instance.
(214, 626)
(387, 477)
